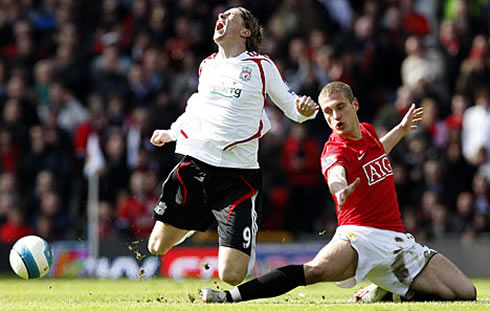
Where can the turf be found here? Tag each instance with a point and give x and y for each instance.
(163, 294)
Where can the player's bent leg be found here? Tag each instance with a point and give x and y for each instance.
(442, 278)
(163, 237)
(233, 265)
(336, 261)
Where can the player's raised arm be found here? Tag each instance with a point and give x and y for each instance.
(408, 123)
(338, 185)
(297, 108)
(306, 106)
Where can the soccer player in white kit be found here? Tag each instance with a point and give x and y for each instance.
(219, 177)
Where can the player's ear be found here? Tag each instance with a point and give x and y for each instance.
(245, 33)
(355, 102)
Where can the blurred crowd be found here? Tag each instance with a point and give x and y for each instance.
(83, 83)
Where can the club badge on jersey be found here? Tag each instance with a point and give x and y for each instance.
(246, 74)
(328, 161)
(160, 208)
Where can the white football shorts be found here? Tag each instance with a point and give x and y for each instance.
(387, 258)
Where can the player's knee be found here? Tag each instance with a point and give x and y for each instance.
(232, 280)
(465, 291)
(232, 277)
(152, 247)
(473, 293)
(155, 247)
(469, 293)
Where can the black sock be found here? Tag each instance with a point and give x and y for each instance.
(274, 283)
(228, 296)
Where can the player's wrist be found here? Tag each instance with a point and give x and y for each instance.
(401, 129)
(172, 135)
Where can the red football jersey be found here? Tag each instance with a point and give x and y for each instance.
(373, 203)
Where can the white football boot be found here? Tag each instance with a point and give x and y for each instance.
(370, 294)
(209, 295)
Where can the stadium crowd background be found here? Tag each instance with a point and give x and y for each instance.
(83, 83)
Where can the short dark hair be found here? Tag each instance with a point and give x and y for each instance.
(337, 86)
(251, 22)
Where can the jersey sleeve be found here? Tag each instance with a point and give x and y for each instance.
(281, 94)
(332, 155)
(176, 127)
(182, 119)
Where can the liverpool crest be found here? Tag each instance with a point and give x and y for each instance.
(160, 208)
(246, 74)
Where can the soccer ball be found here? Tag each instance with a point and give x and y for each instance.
(31, 257)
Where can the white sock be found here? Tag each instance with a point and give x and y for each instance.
(235, 294)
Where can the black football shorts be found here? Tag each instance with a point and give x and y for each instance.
(195, 194)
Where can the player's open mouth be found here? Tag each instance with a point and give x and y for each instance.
(220, 26)
(339, 126)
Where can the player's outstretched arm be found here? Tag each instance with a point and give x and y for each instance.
(338, 185)
(296, 108)
(408, 123)
(306, 106)
(160, 138)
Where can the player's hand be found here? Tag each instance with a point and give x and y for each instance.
(411, 119)
(160, 138)
(342, 194)
(306, 106)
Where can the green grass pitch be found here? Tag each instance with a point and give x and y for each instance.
(163, 294)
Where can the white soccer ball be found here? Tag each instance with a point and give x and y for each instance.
(31, 257)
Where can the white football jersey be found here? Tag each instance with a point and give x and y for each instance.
(223, 121)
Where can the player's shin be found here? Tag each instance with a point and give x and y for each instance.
(274, 283)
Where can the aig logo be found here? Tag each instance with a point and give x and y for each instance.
(378, 169)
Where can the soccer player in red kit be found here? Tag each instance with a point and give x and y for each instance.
(370, 242)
